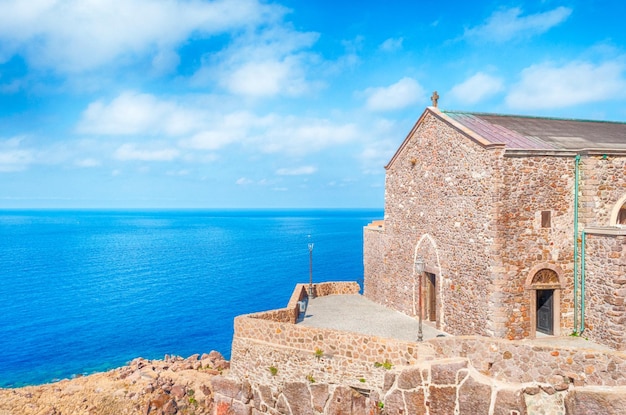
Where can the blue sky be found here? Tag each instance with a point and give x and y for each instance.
(247, 103)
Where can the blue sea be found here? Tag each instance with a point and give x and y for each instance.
(87, 290)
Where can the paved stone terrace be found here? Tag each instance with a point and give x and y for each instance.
(355, 313)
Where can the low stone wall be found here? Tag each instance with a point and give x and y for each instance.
(277, 366)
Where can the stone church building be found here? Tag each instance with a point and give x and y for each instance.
(519, 222)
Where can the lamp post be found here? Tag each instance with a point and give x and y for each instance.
(419, 269)
(311, 295)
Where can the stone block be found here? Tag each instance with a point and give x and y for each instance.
(415, 403)
(442, 400)
(596, 401)
(394, 403)
(409, 378)
(299, 398)
(340, 401)
(508, 401)
(319, 396)
(444, 373)
(474, 397)
(226, 386)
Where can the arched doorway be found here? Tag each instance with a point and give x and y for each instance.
(544, 287)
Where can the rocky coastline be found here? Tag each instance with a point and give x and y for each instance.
(174, 385)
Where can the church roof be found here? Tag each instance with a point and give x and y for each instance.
(536, 133)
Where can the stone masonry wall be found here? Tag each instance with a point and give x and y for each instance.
(441, 200)
(603, 184)
(605, 281)
(533, 185)
(283, 368)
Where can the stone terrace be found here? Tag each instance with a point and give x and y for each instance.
(279, 366)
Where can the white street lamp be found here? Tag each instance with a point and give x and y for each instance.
(311, 295)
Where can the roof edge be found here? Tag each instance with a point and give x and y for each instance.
(477, 138)
(513, 152)
(534, 117)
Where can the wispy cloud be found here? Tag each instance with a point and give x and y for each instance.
(14, 156)
(509, 24)
(391, 44)
(70, 36)
(405, 92)
(130, 151)
(477, 88)
(548, 86)
(296, 171)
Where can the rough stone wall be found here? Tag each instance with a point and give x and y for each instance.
(605, 282)
(285, 368)
(533, 185)
(438, 387)
(441, 198)
(603, 184)
(375, 244)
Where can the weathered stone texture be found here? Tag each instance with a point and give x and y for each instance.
(449, 194)
(605, 316)
(485, 219)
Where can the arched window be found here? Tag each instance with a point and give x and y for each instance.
(621, 215)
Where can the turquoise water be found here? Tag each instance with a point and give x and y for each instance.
(86, 291)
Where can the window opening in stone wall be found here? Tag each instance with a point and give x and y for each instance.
(546, 219)
(621, 215)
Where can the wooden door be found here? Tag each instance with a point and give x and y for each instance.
(545, 311)
(432, 297)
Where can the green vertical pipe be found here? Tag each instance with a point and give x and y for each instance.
(576, 174)
(582, 283)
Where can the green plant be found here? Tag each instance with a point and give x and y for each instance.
(380, 405)
(386, 364)
(362, 380)
(319, 353)
(310, 378)
(273, 370)
(192, 400)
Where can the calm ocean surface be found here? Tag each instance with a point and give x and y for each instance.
(86, 291)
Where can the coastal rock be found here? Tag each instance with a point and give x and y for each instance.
(144, 386)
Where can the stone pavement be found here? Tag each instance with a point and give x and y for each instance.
(356, 313)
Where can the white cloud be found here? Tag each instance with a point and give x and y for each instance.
(294, 135)
(243, 181)
(272, 62)
(548, 86)
(15, 160)
(296, 171)
(13, 157)
(505, 25)
(223, 130)
(133, 113)
(88, 162)
(391, 44)
(402, 94)
(476, 88)
(130, 151)
(78, 35)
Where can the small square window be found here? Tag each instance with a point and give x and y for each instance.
(546, 219)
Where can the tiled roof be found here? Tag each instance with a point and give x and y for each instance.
(534, 133)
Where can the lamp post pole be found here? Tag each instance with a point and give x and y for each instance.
(419, 269)
(311, 295)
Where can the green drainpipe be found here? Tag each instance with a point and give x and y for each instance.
(576, 174)
(582, 283)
